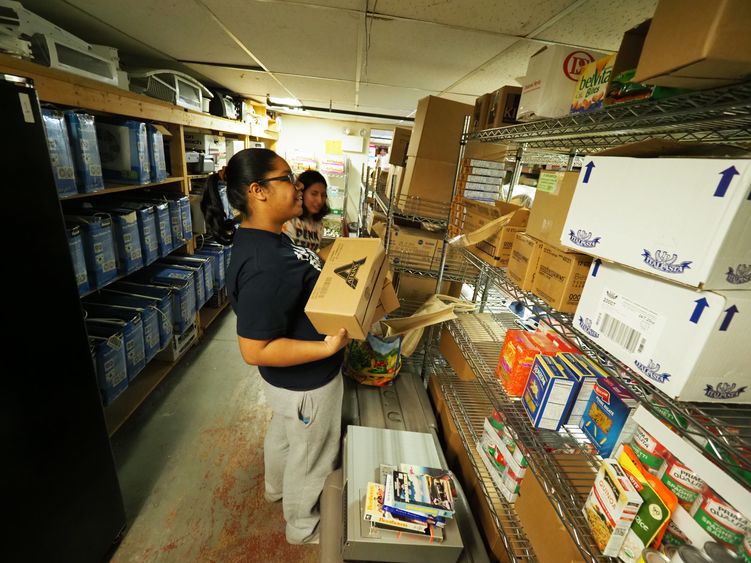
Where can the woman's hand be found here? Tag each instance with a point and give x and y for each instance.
(337, 342)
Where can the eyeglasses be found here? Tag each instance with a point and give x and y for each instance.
(291, 178)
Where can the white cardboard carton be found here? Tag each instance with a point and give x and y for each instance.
(552, 75)
(684, 219)
(692, 345)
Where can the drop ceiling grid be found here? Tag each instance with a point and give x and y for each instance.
(182, 30)
(417, 55)
(600, 24)
(249, 83)
(318, 91)
(392, 97)
(505, 69)
(499, 16)
(294, 39)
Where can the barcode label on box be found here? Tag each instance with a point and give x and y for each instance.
(628, 324)
(620, 333)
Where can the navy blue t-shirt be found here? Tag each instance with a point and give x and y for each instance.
(269, 282)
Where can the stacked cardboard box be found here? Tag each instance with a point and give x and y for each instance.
(432, 152)
(673, 311)
(496, 250)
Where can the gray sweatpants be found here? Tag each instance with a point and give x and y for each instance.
(301, 448)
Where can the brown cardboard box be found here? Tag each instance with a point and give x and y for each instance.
(398, 152)
(419, 289)
(503, 107)
(414, 245)
(555, 190)
(522, 266)
(548, 536)
(697, 44)
(394, 179)
(388, 301)
(453, 354)
(432, 180)
(349, 288)
(438, 129)
(480, 116)
(560, 277)
(487, 151)
(497, 247)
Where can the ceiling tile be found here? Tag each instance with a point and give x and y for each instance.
(506, 16)
(319, 91)
(182, 30)
(502, 71)
(393, 98)
(600, 24)
(425, 56)
(294, 39)
(463, 98)
(245, 82)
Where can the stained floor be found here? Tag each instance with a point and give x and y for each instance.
(190, 463)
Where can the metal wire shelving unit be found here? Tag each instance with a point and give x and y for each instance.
(716, 115)
(722, 432)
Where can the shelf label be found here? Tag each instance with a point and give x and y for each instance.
(548, 183)
(28, 114)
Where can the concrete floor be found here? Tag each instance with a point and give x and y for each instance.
(190, 462)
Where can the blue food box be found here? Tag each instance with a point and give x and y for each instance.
(129, 322)
(109, 361)
(182, 222)
(549, 393)
(586, 376)
(157, 160)
(75, 244)
(205, 274)
(152, 296)
(184, 292)
(218, 264)
(98, 247)
(199, 280)
(127, 239)
(124, 152)
(147, 226)
(164, 228)
(61, 155)
(607, 418)
(148, 312)
(85, 150)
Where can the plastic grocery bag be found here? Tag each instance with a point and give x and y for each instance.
(374, 361)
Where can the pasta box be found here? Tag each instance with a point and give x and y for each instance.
(607, 417)
(586, 375)
(550, 391)
(517, 356)
(611, 507)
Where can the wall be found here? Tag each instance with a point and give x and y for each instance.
(309, 134)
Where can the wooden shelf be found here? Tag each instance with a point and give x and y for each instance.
(198, 176)
(209, 314)
(64, 88)
(126, 404)
(115, 188)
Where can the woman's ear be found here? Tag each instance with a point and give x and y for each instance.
(257, 192)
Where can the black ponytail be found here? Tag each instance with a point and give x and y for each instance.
(242, 169)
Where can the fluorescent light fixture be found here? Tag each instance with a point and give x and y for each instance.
(286, 102)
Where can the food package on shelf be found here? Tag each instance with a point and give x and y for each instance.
(607, 420)
(592, 85)
(503, 457)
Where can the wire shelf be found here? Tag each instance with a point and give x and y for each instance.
(457, 269)
(726, 427)
(716, 115)
(469, 405)
(563, 462)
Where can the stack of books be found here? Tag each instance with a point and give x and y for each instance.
(412, 499)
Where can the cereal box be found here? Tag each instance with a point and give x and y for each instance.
(607, 417)
(593, 84)
(551, 390)
(611, 507)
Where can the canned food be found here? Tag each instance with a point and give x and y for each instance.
(684, 483)
(674, 536)
(744, 550)
(688, 554)
(718, 554)
(649, 451)
(719, 519)
(653, 556)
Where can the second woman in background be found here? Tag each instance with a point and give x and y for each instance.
(307, 230)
